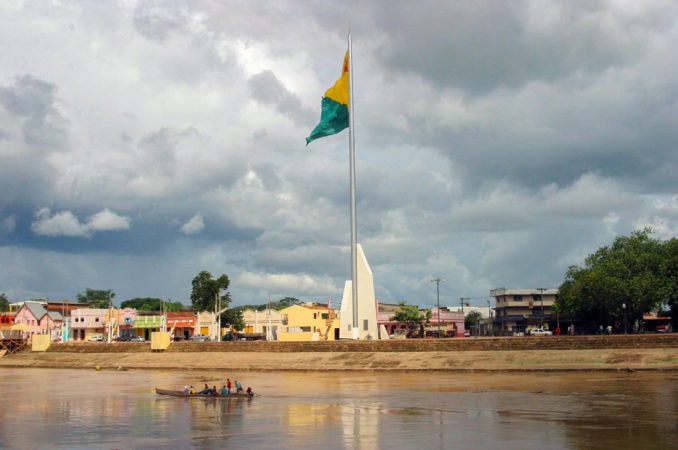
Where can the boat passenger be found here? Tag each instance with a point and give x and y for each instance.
(206, 390)
(228, 385)
(224, 390)
(191, 390)
(238, 387)
(249, 391)
(214, 391)
(186, 391)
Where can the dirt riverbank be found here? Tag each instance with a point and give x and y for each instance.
(658, 359)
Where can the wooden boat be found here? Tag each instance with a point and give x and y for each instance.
(172, 393)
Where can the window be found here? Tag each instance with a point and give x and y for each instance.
(96, 319)
(366, 325)
(517, 298)
(315, 315)
(325, 316)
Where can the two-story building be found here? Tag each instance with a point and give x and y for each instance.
(181, 324)
(146, 323)
(88, 322)
(38, 320)
(518, 310)
(309, 322)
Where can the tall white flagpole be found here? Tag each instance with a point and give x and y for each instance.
(354, 226)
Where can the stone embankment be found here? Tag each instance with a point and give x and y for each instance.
(628, 341)
(548, 353)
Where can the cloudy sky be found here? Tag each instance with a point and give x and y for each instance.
(497, 143)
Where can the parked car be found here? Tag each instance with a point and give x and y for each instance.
(540, 332)
(200, 338)
(137, 339)
(121, 339)
(96, 339)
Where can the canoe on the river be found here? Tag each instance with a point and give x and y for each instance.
(183, 394)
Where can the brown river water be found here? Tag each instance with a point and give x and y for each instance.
(55, 408)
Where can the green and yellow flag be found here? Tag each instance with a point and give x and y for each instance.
(334, 114)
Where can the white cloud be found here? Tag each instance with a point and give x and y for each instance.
(194, 225)
(107, 220)
(65, 223)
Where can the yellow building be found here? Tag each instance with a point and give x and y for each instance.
(309, 322)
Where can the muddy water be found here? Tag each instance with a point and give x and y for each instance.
(51, 408)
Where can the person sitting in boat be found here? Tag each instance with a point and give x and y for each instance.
(214, 391)
(191, 390)
(238, 387)
(206, 390)
(224, 390)
(186, 391)
(249, 391)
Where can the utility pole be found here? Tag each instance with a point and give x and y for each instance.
(541, 296)
(463, 300)
(490, 326)
(437, 282)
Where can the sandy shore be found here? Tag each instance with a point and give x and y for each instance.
(658, 359)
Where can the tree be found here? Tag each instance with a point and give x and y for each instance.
(205, 291)
(233, 317)
(472, 319)
(4, 303)
(277, 306)
(669, 270)
(97, 298)
(620, 282)
(413, 317)
(152, 304)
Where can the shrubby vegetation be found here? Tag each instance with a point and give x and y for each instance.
(97, 298)
(152, 304)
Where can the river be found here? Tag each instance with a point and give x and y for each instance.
(53, 408)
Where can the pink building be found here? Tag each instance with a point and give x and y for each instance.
(88, 322)
(451, 322)
(38, 320)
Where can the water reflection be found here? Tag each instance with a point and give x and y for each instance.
(88, 409)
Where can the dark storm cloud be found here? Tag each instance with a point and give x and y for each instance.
(267, 89)
(33, 101)
(480, 47)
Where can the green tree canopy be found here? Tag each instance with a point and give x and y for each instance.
(97, 298)
(277, 306)
(4, 303)
(233, 318)
(472, 319)
(630, 277)
(205, 291)
(152, 304)
(412, 316)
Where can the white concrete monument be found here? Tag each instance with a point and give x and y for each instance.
(367, 304)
